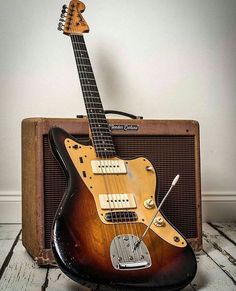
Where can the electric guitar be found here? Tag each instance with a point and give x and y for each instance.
(98, 231)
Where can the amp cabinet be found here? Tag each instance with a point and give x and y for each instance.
(171, 145)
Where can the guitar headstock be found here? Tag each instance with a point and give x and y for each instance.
(71, 20)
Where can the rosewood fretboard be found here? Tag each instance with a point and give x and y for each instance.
(99, 127)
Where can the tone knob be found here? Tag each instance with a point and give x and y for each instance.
(159, 221)
(149, 203)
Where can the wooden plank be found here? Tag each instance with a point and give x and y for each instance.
(58, 281)
(210, 277)
(8, 233)
(22, 273)
(221, 250)
(226, 229)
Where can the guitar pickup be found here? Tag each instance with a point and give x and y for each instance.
(111, 167)
(117, 201)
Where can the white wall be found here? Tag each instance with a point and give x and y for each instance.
(167, 59)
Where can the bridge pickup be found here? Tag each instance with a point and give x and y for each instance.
(121, 216)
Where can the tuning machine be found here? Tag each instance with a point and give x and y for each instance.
(60, 26)
(64, 11)
(64, 8)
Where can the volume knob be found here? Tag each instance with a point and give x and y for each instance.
(149, 203)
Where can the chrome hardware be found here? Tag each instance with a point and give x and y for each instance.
(60, 26)
(149, 169)
(176, 239)
(159, 221)
(149, 204)
(124, 257)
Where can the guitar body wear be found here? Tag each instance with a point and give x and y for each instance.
(81, 241)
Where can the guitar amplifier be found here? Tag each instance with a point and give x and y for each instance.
(171, 145)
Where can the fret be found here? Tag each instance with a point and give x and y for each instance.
(103, 134)
(85, 69)
(88, 79)
(92, 95)
(103, 143)
(106, 143)
(100, 129)
(86, 75)
(88, 82)
(95, 114)
(97, 104)
(80, 56)
(93, 88)
(81, 61)
(98, 113)
(92, 101)
(90, 91)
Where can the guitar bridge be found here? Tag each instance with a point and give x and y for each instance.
(124, 256)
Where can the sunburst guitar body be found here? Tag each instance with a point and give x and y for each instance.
(109, 202)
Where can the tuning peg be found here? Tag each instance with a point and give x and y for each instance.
(62, 20)
(64, 7)
(60, 26)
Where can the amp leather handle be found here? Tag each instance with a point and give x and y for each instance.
(117, 112)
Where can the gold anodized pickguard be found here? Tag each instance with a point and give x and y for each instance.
(136, 180)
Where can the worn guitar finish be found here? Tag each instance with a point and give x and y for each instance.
(109, 202)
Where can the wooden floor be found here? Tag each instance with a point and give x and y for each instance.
(216, 263)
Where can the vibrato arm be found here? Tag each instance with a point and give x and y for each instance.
(174, 182)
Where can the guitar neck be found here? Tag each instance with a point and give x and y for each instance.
(99, 127)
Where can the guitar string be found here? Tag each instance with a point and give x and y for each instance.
(130, 224)
(109, 177)
(105, 154)
(86, 97)
(83, 73)
(76, 44)
(133, 231)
